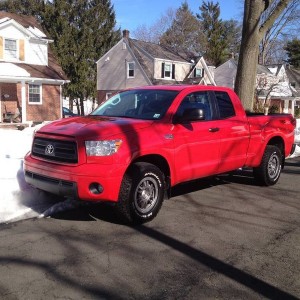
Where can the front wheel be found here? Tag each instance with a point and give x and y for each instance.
(269, 170)
(141, 194)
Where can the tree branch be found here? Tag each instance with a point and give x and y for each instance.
(282, 4)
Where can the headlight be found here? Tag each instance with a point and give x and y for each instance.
(102, 148)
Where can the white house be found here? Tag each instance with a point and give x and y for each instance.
(30, 78)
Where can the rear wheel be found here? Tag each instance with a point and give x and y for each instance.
(141, 194)
(269, 170)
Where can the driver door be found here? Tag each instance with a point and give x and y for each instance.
(196, 143)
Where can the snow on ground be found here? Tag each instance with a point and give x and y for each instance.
(17, 199)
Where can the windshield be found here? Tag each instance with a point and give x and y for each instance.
(138, 104)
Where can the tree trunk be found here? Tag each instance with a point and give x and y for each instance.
(82, 106)
(248, 58)
(246, 73)
(254, 29)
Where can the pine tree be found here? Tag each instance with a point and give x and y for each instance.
(233, 36)
(24, 7)
(185, 34)
(82, 31)
(215, 32)
(293, 51)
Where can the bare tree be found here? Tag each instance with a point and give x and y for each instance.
(154, 32)
(287, 24)
(259, 17)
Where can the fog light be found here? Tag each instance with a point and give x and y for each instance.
(96, 188)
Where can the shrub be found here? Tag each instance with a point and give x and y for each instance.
(273, 109)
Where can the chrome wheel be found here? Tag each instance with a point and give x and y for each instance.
(274, 166)
(146, 195)
(268, 172)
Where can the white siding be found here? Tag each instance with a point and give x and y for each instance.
(36, 53)
(11, 32)
(181, 69)
(112, 70)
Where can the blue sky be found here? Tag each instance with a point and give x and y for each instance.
(132, 13)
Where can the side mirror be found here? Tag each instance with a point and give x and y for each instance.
(189, 115)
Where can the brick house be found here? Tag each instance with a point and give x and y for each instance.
(30, 78)
(132, 63)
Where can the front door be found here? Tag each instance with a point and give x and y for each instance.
(196, 144)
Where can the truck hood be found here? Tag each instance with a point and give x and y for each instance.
(93, 126)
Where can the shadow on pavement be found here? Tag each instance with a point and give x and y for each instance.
(257, 285)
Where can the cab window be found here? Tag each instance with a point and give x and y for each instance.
(226, 109)
(198, 100)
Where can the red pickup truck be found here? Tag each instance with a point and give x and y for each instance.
(141, 142)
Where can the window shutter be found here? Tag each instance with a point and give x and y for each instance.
(202, 72)
(163, 70)
(195, 72)
(1, 47)
(21, 50)
(173, 71)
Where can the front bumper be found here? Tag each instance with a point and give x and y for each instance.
(75, 180)
(52, 185)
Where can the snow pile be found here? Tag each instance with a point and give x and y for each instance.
(18, 200)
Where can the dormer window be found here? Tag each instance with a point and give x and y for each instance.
(168, 71)
(10, 49)
(198, 72)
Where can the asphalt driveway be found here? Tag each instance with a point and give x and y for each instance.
(217, 238)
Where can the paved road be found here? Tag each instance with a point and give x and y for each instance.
(221, 238)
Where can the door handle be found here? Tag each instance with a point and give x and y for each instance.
(214, 129)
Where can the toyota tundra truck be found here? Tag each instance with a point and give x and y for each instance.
(137, 145)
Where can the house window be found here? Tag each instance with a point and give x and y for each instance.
(168, 71)
(108, 95)
(130, 70)
(198, 72)
(35, 95)
(10, 49)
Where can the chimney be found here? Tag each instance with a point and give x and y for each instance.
(126, 33)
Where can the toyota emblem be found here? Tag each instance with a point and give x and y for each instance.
(49, 150)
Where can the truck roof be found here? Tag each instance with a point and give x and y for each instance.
(180, 87)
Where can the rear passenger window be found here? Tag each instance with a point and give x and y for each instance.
(224, 103)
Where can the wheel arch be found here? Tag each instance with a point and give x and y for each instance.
(278, 141)
(160, 162)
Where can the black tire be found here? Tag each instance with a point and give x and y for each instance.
(269, 170)
(141, 194)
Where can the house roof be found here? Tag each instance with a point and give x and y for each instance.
(52, 71)
(25, 21)
(293, 75)
(156, 51)
(263, 70)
